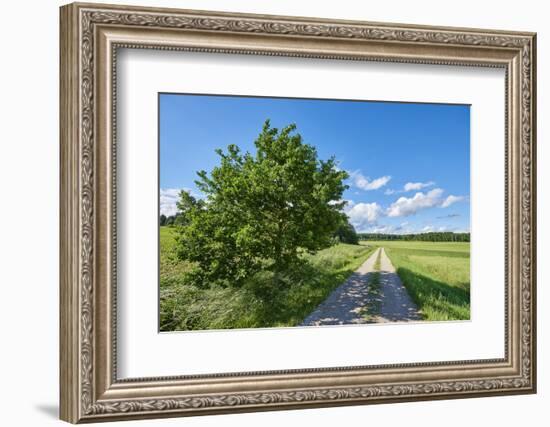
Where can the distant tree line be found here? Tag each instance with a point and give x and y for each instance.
(170, 220)
(440, 236)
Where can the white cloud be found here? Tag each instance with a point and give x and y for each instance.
(461, 230)
(405, 206)
(362, 214)
(411, 186)
(382, 229)
(169, 198)
(430, 228)
(387, 229)
(364, 183)
(450, 200)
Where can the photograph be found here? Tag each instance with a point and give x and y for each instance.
(294, 212)
(344, 210)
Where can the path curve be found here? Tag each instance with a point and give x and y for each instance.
(346, 304)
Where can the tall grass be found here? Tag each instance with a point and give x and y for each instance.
(293, 296)
(436, 275)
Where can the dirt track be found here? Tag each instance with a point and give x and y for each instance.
(347, 303)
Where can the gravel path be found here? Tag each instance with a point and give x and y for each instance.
(395, 303)
(346, 304)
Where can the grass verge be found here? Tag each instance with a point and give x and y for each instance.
(436, 275)
(185, 307)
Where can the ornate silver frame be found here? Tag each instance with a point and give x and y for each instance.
(90, 36)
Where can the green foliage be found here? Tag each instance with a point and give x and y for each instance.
(436, 275)
(260, 211)
(439, 236)
(162, 220)
(345, 233)
(185, 306)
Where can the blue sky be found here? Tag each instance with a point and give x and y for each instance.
(409, 163)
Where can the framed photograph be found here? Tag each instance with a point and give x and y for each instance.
(266, 212)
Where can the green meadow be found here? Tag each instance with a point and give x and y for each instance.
(186, 307)
(436, 275)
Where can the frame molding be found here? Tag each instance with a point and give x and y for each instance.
(90, 37)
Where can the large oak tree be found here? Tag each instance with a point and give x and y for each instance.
(260, 209)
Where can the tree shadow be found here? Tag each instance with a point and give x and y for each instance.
(395, 302)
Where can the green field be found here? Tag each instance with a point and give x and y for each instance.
(185, 307)
(436, 275)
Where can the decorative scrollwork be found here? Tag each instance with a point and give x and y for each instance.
(90, 18)
(289, 397)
